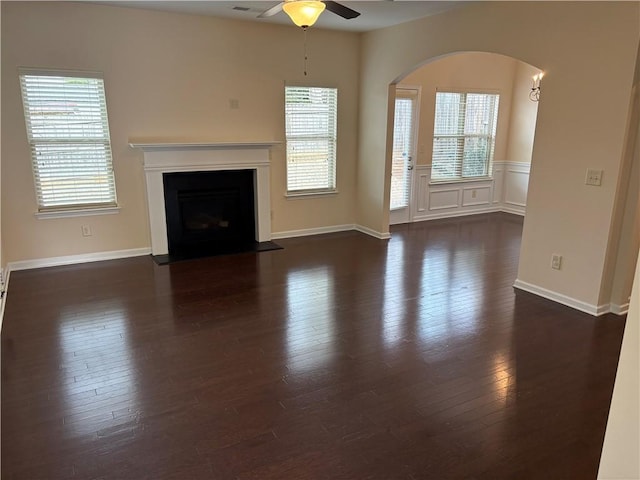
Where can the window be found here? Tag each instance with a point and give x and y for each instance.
(68, 132)
(310, 119)
(464, 135)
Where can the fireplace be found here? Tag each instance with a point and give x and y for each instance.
(208, 213)
(162, 158)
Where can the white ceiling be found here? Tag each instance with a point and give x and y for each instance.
(374, 14)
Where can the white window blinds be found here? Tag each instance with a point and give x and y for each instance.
(464, 135)
(310, 120)
(68, 132)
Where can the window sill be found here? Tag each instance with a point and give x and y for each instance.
(80, 212)
(296, 195)
(461, 180)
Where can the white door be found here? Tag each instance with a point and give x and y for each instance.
(402, 161)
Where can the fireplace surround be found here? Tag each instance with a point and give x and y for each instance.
(171, 157)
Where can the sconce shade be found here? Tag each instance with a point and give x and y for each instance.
(304, 13)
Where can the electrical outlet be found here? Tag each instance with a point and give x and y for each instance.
(473, 193)
(86, 231)
(556, 261)
(234, 103)
(594, 177)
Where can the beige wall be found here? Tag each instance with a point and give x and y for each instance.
(584, 48)
(470, 71)
(167, 76)
(524, 114)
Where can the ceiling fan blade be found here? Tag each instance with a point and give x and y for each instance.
(272, 11)
(339, 9)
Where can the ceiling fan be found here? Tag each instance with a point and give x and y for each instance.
(304, 13)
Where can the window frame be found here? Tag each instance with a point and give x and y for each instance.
(45, 207)
(492, 137)
(332, 142)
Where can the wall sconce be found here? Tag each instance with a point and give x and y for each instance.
(534, 94)
(303, 13)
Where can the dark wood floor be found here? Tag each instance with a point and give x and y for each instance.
(339, 357)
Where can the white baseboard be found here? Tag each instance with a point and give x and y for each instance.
(620, 309)
(595, 310)
(512, 209)
(602, 309)
(331, 229)
(311, 231)
(373, 233)
(136, 252)
(73, 259)
(3, 300)
(463, 213)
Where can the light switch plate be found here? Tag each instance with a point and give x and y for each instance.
(594, 177)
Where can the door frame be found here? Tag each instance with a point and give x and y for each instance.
(414, 153)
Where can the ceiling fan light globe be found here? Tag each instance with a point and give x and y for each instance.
(303, 13)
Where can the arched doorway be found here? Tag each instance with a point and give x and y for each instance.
(473, 143)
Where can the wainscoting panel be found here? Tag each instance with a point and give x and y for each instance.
(516, 184)
(505, 192)
(498, 182)
(444, 198)
(421, 189)
(474, 196)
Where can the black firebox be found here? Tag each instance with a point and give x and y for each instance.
(209, 213)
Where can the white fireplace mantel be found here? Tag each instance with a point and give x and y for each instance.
(169, 157)
(149, 146)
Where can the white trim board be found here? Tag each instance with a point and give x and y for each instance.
(147, 145)
(465, 213)
(331, 229)
(74, 259)
(373, 233)
(595, 310)
(620, 309)
(138, 252)
(3, 300)
(311, 231)
(513, 211)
